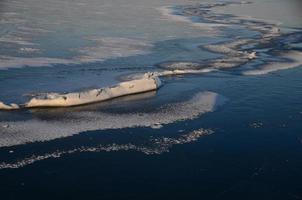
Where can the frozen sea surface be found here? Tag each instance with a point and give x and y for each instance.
(225, 124)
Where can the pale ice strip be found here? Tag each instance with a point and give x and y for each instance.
(230, 47)
(144, 84)
(29, 50)
(147, 83)
(169, 13)
(34, 130)
(8, 107)
(295, 58)
(185, 71)
(174, 72)
(157, 146)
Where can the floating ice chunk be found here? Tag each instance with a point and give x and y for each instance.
(148, 83)
(252, 55)
(8, 107)
(230, 48)
(5, 126)
(156, 126)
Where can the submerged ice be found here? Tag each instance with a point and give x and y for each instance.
(34, 130)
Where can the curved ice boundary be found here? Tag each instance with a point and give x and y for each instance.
(292, 59)
(34, 130)
(175, 14)
(154, 146)
(238, 51)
